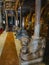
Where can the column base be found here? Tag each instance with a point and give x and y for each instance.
(31, 62)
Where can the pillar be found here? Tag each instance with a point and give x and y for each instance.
(6, 21)
(37, 18)
(35, 41)
(16, 23)
(23, 22)
(0, 19)
(20, 17)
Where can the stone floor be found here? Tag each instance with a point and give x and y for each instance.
(2, 40)
(9, 53)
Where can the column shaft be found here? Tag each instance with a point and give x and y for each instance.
(20, 17)
(37, 17)
(0, 19)
(6, 21)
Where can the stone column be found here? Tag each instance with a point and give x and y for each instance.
(23, 23)
(6, 20)
(35, 41)
(20, 17)
(0, 19)
(16, 23)
(37, 18)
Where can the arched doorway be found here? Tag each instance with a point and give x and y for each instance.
(10, 20)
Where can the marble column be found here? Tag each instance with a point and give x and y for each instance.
(23, 22)
(0, 19)
(35, 38)
(20, 17)
(16, 23)
(6, 20)
(37, 18)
